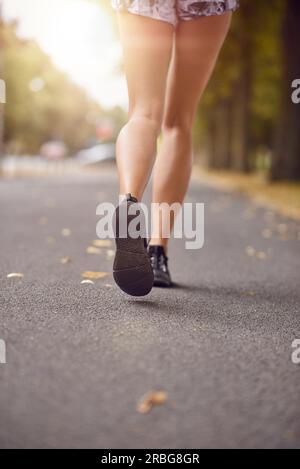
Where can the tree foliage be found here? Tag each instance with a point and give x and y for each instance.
(240, 107)
(42, 102)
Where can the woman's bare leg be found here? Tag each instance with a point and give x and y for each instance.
(197, 45)
(147, 47)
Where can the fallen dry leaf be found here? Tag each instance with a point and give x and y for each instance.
(93, 275)
(151, 399)
(250, 293)
(102, 243)
(110, 253)
(90, 282)
(65, 260)
(261, 255)
(15, 275)
(66, 232)
(250, 251)
(253, 253)
(93, 250)
(108, 285)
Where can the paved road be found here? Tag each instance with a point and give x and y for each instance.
(79, 357)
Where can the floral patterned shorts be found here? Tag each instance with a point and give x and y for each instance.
(174, 10)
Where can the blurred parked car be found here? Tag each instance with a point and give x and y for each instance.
(53, 150)
(96, 154)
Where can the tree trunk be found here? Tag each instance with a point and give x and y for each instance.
(241, 112)
(221, 136)
(240, 140)
(286, 157)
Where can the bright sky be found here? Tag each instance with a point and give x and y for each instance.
(78, 36)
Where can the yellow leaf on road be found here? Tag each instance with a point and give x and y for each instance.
(151, 399)
(102, 243)
(65, 260)
(110, 253)
(15, 275)
(250, 251)
(93, 250)
(261, 255)
(93, 275)
(66, 232)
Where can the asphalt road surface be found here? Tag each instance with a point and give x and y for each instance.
(79, 357)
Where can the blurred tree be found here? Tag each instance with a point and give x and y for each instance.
(43, 103)
(107, 8)
(227, 102)
(241, 140)
(239, 108)
(286, 157)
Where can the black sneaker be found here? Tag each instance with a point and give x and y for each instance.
(132, 269)
(159, 263)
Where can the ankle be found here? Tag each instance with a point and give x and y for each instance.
(129, 196)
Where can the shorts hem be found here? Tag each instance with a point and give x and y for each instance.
(180, 14)
(145, 15)
(213, 13)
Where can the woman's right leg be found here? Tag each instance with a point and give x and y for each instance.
(147, 47)
(197, 45)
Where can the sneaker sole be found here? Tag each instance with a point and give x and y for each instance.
(162, 283)
(132, 269)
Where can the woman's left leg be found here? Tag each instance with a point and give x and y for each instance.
(147, 46)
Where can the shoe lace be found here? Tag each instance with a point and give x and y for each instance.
(159, 262)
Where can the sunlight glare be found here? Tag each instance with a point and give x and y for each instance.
(79, 38)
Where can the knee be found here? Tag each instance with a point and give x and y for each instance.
(178, 123)
(179, 130)
(150, 115)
